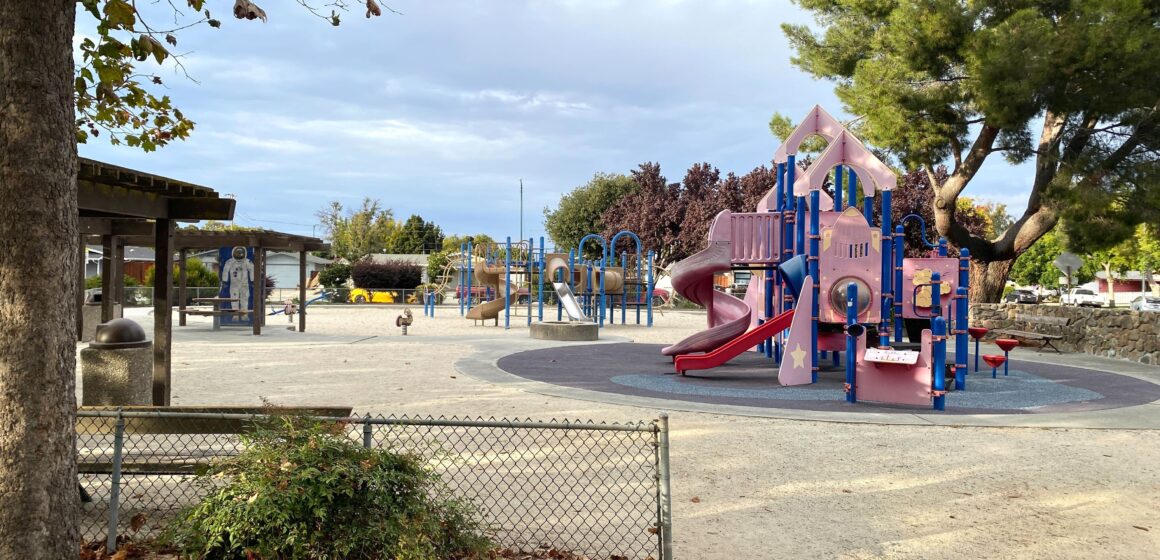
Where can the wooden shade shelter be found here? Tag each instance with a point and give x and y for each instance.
(121, 207)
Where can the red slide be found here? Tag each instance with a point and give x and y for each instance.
(734, 347)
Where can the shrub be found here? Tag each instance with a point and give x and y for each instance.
(303, 489)
(95, 282)
(197, 275)
(334, 276)
(387, 275)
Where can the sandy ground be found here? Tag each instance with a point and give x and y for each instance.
(743, 487)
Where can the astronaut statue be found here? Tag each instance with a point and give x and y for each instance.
(239, 272)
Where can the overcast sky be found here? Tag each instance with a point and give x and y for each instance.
(442, 110)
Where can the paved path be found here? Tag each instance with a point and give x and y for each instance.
(1087, 392)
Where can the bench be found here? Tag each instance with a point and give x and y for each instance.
(215, 313)
(157, 445)
(211, 313)
(1046, 339)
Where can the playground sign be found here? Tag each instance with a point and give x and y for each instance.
(1068, 262)
(883, 356)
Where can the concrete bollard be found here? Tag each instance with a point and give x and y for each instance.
(117, 366)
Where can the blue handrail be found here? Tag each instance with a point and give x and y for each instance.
(922, 223)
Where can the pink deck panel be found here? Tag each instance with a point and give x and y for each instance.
(851, 250)
(895, 383)
(919, 271)
(756, 237)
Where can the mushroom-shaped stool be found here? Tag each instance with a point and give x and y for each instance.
(1007, 345)
(994, 361)
(977, 333)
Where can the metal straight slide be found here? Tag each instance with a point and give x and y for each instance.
(734, 347)
(568, 300)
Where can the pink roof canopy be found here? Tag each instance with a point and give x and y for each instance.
(846, 150)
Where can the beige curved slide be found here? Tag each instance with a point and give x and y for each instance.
(490, 275)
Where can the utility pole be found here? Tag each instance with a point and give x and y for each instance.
(521, 208)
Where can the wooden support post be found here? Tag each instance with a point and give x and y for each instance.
(181, 282)
(258, 294)
(162, 311)
(119, 274)
(80, 295)
(302, 291)
(108, 255)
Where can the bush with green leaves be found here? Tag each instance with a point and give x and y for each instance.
(304, 489)
(197, 275)
(334, 276)
(392, 274)
(94, 281)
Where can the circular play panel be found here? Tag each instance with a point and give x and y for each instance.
(751, 380)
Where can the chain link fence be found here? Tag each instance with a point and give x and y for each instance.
(600, 490)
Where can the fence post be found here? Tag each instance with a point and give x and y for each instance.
(666, 495)
(368, 439)
(115, 490)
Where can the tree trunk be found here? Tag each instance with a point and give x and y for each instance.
(38, 280)
(988, 280)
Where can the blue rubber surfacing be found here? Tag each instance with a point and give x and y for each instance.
(751, 380)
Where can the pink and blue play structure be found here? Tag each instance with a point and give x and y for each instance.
(827, 280)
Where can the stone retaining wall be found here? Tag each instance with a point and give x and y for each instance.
(1123, 334)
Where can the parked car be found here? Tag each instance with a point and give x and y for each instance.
(1022, 296)
(1145, 303)
(363, 295)
(1083, 297)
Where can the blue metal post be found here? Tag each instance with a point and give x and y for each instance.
(899, 253)
(839, 175)
(507, 292)
(939, 362)
(624, 288)
(462, 271)
(540, 274)
(852, 193)
(960, 338)
(888, 291)
(815, 198)
(942, 247)
(936, 294)
(800, 243)
(529, 268)
(470, 272)
(649, 296)
(867, 208)
(851, 342)
(604, 261)
(639, 280)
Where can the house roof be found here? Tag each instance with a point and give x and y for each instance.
(411, 258)
(131, 253)
(1127, 276)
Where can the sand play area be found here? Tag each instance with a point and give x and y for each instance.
(747, 482)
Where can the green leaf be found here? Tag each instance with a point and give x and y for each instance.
(120, 14)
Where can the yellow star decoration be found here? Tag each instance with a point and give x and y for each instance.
(799, 357)
(923, 276)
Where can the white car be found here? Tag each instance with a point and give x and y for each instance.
(1083, 297)
(1145, 303)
